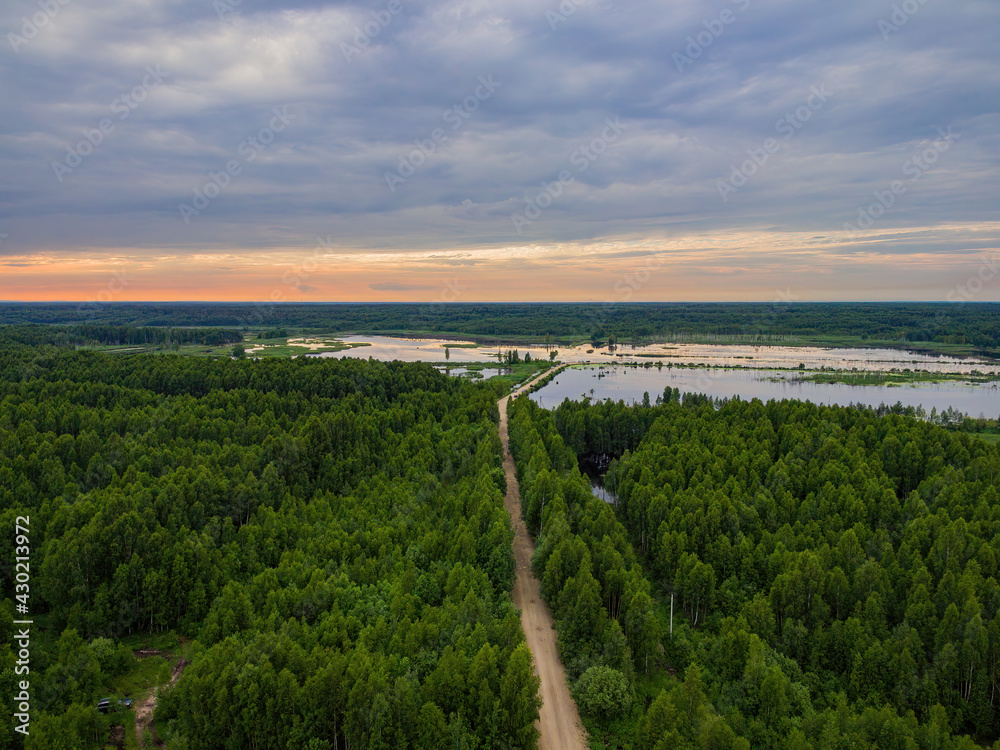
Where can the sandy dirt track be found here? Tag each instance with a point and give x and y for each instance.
(144, 708)
(559, 721)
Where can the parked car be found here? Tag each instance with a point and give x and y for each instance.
(105, 704)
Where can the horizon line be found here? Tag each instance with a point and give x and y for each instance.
(287, 303)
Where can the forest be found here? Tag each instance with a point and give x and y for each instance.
(834, 572)
(114, 335)
(914, 325)
(327, 538)
(327, 543)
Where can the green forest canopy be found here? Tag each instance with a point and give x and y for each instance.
(331, 533)
(835, 571)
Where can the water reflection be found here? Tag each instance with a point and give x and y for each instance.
(601, 493)
(485, 372)
(629, 384)
(813, 358)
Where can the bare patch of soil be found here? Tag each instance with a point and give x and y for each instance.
(144, 708)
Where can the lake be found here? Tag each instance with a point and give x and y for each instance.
(629, 383)
(615, 381)
(433, 350)
(486, 372)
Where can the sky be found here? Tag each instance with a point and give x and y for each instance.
(499, 150)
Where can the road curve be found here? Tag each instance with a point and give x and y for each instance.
(559, 721)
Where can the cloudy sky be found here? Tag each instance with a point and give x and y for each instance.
(496, 150)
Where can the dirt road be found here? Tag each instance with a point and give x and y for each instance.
(144, 708)
(559, 721)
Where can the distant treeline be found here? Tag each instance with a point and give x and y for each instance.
(83, 335)
(910, 323)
